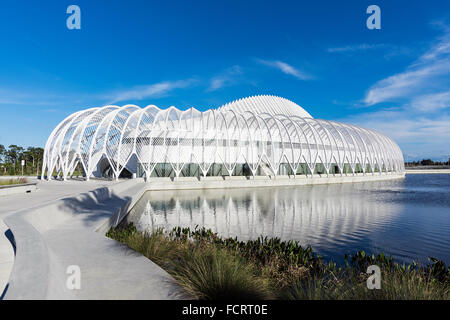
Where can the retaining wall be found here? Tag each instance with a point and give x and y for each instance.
(260, 181)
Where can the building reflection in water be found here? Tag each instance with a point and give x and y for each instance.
(323, 216)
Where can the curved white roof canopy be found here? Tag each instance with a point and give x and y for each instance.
(266, 104)
(263, 132)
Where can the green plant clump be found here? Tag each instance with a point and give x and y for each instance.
(209, 267)
(10, 182)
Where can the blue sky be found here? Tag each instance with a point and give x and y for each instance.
(203, 54)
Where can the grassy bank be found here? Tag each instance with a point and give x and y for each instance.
(212, 268)
(10, 182)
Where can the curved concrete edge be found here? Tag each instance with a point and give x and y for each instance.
(227, 182)
(62, 233)
(122, 212)
(7, 253)
(17, 188)
(31, 276)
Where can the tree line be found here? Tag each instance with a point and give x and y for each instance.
(427, 162)
(11, 160)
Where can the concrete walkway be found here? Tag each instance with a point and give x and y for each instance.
(6, 256)
(54, 228)
(427, 171)
(11, 204)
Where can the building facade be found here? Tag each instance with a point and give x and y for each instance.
(260, 135)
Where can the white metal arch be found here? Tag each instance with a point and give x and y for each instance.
(247, 131)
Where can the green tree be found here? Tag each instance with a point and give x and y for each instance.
(34, 157)
(14, 154)
(30, 155)
(426, 162)
(2, 152)
(11, 157)
(40, 158)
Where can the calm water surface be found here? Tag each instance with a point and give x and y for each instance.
(408, 219)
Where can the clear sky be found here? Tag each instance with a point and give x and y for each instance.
(202, 54)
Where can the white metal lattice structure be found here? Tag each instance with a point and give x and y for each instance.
(257, 135)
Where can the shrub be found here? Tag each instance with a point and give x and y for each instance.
(209, 267)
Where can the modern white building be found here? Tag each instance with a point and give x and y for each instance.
(260, 135)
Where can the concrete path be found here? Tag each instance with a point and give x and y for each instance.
(6, 256)
(54, 228)
(427, 171)
(46, 193)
